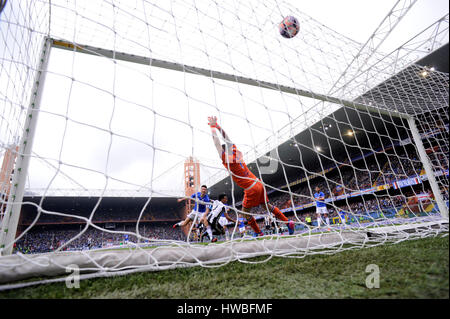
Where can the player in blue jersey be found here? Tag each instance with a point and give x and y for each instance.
(342, 215)
(201, 207)
(321, 207)
(241, 225)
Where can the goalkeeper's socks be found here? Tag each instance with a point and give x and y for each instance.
(291, 228)
(278, 214)
(254, 225)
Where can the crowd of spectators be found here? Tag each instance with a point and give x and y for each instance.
(366, 173)
(374, 171)
(100, 215)
(40, 241)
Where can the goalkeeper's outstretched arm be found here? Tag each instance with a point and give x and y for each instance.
(212, 122)
(216, 141)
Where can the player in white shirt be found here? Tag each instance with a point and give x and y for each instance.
(270, 223)
(217, 218)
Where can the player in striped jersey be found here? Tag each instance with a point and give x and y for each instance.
(224, 219)
(270, 224)
(212, 220)
(254, 191)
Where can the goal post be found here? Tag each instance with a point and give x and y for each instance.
(443, 208)
(15, 196)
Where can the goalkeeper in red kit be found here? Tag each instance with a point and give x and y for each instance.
(254, 190)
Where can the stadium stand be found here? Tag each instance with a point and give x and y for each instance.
(348, 187)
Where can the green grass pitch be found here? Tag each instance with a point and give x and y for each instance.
(411, 269)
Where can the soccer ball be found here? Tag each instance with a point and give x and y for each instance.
(289, 27)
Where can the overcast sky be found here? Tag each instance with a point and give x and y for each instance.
(128, 126)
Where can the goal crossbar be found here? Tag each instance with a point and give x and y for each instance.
(61, 44)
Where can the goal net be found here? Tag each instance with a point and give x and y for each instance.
(103, 102)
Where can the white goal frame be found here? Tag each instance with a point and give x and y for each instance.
(10, 221)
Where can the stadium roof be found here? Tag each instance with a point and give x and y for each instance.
(439, 59)
(127, 208)
(404, 92)
(367, 131)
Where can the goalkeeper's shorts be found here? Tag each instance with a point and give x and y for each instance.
(321, 210)
(255, 196)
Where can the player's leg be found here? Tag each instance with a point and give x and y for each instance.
(274, 227)
(202, 231)
(279, 215)
(262, 198)
(318, 217)
(268, 228)
(251, 221)
(223, 223)
(216, 228)
(202, 235)
(251, 199)
(190, 217)
(343, 222)
(212, 226)
(227, 233)
(204, 221)
(323, 212)
(181, 224)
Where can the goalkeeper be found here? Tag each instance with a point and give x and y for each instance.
(254, 191)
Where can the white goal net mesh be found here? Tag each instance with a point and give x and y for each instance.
(102, 103)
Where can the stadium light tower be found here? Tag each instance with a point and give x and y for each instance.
(191, 183)
(6, 172)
